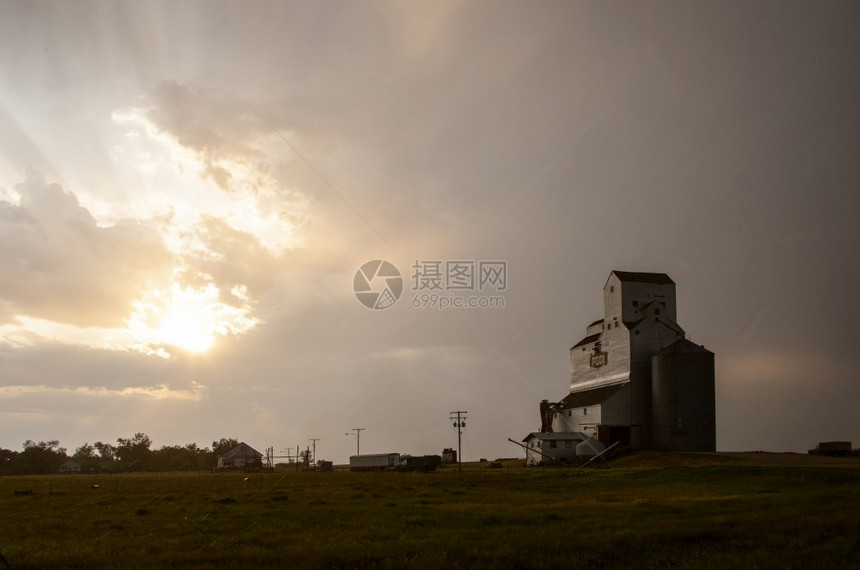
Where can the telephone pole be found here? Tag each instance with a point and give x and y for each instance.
(459, 418)
(314, 441)
(357, 433)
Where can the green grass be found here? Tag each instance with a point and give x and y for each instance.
(720, 514)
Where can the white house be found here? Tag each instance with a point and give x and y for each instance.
(551, 447)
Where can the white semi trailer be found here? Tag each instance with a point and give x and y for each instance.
(374, 462)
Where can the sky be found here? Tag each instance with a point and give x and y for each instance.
(188, 190)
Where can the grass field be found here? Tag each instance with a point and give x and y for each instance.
(646, 511)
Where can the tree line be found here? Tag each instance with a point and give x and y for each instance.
(130, 454)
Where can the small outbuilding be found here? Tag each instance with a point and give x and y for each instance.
(243, 456)
(542, 448)
(70, 467)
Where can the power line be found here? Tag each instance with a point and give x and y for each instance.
(459, 418)
(357, 433)
(323, 178)
(314, 440)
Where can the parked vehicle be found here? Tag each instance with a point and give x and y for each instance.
(374, 462)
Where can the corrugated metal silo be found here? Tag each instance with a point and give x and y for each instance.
(683, 404)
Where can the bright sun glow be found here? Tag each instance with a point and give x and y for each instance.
(187, 327)
(175, 196)
(189, 318)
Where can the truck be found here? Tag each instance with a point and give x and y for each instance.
(424, 463)
(832, 448)
(374, 462)
(395, 462)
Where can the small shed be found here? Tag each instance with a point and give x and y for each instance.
(70, 467)
(243, 456)
(590, 447)
(554, 446)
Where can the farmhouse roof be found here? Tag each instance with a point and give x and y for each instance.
(641, 277)
(588, 340)
(557, 436)
(590, 397)
(241, 450)
(683, 345)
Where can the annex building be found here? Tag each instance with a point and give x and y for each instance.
(635, 377)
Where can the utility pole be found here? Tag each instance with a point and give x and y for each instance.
(314, 441)
(357, 433)
(459, 423)
(288, 455)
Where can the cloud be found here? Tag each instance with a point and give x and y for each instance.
(232, 259)
(60, 265)
(158, 392)
(216, 127)
(214, 153)
(122, 286)
(774, 369)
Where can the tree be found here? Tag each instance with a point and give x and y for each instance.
(305, 457)
(106, 451)
(42, 457)
(223, 445)
(134, 453)
(84, 452)
(86, 456)
(176, 457)
(205, 459)
(7, 461)
(202, 457)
